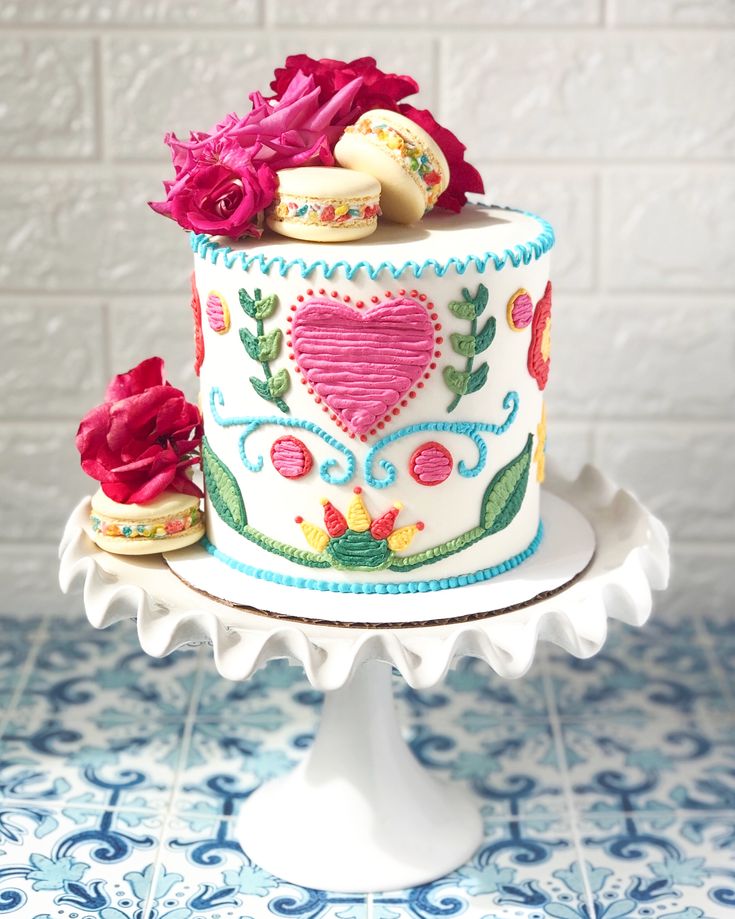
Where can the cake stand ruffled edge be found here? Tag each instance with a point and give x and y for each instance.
(631, 560)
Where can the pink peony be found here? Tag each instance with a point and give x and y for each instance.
(301, 127)
(463, 177)
(219, 189)
(142, 438)
(377, 89)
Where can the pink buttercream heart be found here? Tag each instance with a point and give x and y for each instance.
(362, 363)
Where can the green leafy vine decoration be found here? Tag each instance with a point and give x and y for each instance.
(264, 347)
(500, 503)
(469, 380)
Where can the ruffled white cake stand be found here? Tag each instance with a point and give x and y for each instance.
(405, 826)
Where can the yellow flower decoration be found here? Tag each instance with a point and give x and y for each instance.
(540, 452)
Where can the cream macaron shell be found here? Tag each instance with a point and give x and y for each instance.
(171, 521)
(408, 163)
(324, 204)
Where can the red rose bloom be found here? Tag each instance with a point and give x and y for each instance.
(462, 176)
(142, 438)
(378, 89)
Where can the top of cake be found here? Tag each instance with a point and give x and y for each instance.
(489, 237)
(385, 157)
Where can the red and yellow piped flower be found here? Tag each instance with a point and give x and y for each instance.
(539, 351)
(355, 540)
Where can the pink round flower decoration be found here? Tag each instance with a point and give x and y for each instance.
(520, 310)
(143, 437)
(291, 457)
(218, 313)
(431, 463)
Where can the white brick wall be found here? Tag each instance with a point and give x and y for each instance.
(614, 118)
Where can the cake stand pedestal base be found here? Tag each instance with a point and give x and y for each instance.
(361, 814)
(406, 828)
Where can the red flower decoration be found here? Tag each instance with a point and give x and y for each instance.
(463, 177)
(378, 89)
(539, 351)
(196, 306)
(142, 438)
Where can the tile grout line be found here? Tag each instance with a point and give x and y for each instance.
(167, 812)
(571, 811)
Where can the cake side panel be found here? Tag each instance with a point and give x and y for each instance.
(416, 391)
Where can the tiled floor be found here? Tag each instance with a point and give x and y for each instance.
(608, 786)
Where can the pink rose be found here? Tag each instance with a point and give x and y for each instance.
(142, 438)
(224, 178)
(219, 189)
(463, 177)
(377, 89)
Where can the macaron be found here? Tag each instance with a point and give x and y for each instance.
(324, 204)
(408, 163)
(171, 521)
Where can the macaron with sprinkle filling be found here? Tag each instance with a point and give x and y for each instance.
(170, 521)
(408, 163)
(324, 204)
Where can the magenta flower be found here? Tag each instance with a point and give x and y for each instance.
(225, 178)
(220, 189)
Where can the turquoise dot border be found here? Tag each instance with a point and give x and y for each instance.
(522, 254)
(367, 587)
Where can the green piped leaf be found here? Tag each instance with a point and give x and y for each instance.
(463, 344)
(278, 383)
(485, 336)
(261, 387)
(251, 343)
(222, 489)
(480, 299)
(266, 306)
(456, 380)
(477, 379)
(257, 307)
(504, 495)
(247, 302)
(463, 309)
(269, 346)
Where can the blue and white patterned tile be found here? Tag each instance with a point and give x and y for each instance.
(719, 632)
(662, 866)
(76, 862)
(278, 684)
(94, 671)
(661, 670)
(512, 768)
(217, 880)
(97, 720)
(472, 684)
(90, 762)
(228, 759)
(659, 765)
(524, 868)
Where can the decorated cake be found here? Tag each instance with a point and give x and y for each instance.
(371, 389)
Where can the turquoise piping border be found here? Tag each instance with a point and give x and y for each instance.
(403, 587)
(523, 253)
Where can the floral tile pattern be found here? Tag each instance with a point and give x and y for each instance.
(607, 786)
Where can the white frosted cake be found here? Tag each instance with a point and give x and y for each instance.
(373, 412)
(372, 347)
